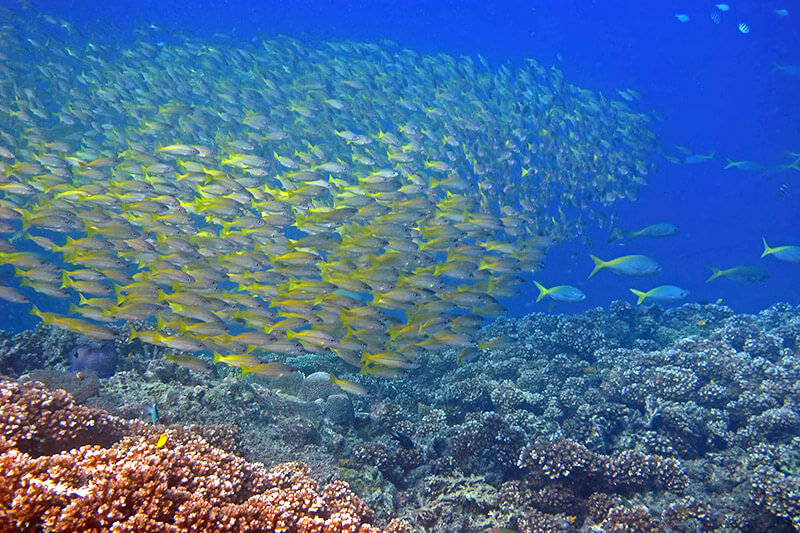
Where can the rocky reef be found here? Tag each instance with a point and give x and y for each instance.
(628, 419)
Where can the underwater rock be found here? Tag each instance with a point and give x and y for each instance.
(101, 358)
(339, 409)
(317, 385)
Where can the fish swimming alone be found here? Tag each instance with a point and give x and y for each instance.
(628, 265)
(743, 273)
(790, 253)
(560, 293)
(659, 230)
(663, 293)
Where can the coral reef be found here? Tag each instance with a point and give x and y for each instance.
(633, 419)
(68, 468)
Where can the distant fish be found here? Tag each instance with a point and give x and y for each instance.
(629, 95)
(497, 343)
(744, 27)
(744, 273)
(658, 230)
(783, 189)
(404, 440)
(753, 166)
(716, 17)
(789, 70)
(782, 12)
(722, 7)
(467, 355)
(269, 370)
(348, 386)
(162, 440)
(189, 361)
(561, 293)
(664, 293)
(784, 253)
(629, 265)
(694, 159)
(152, 410)
(682, 17)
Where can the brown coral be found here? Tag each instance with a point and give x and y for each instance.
(131, 485)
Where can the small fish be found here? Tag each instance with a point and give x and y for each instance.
(349, 386)
(722, 7)
(404, 440)
(498, 343)
(743, 273)
(240, 360)
(270, 370)
(694, 159)
(782, 12)
(716, 17)
(467, 355)
(162, 440)
(655, 231)
(178, 149)
(789, 253)
(744, 28)
(782, 190)
(152, 410)
(189, 361)
(682, 17)
(754, 166)
(664, 293)
(629, 265)
(791, 70)
(560, 293)
(11, 294)
(701, 322)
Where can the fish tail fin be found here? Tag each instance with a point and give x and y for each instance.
(598, 264)
(542, 291)
(36, 312)
(767, 249)
(217, 357)
(27, 217)
(641, 294)
(716, 272)
(246, 370)
(731, 163)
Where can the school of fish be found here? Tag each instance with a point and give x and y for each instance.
(286, 196)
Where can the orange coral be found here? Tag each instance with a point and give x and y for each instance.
(130, 485)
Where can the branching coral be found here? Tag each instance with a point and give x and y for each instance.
(120, 480)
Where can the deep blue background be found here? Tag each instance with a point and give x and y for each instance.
(713, 85)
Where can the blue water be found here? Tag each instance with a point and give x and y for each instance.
(713, 85)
